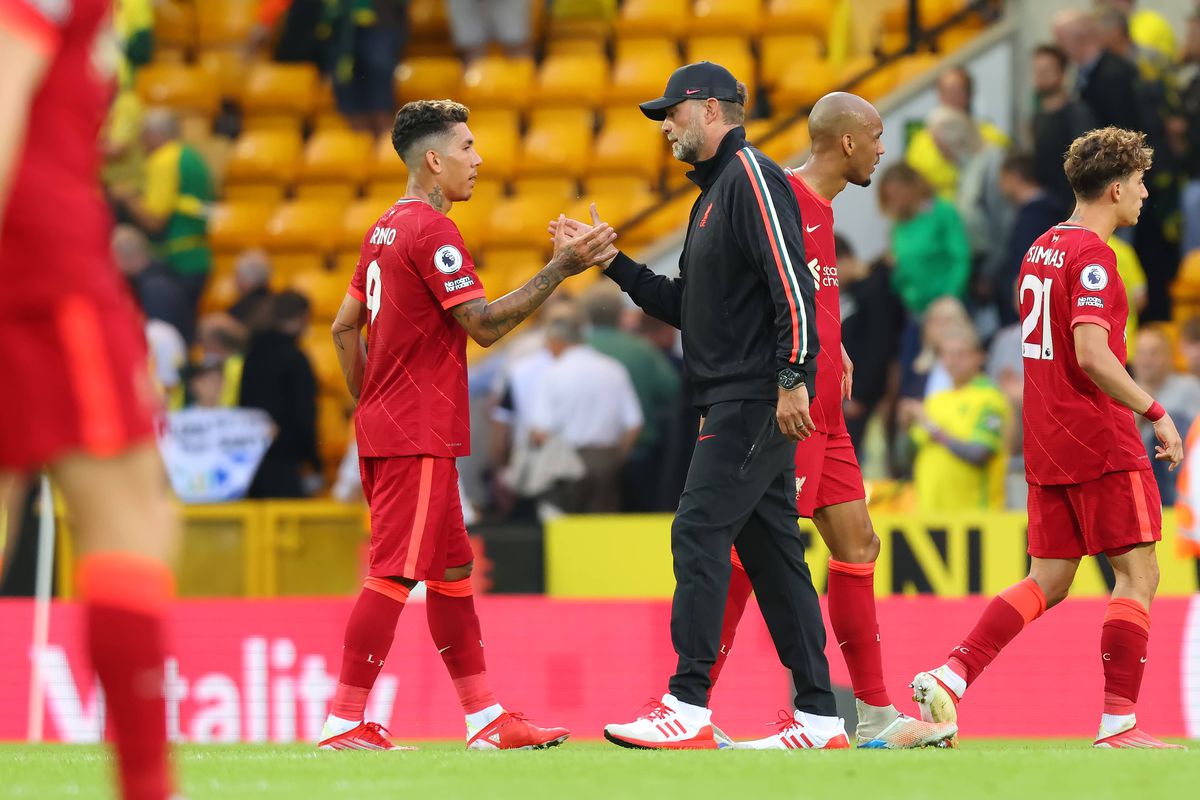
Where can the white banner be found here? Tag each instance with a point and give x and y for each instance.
(212, 453)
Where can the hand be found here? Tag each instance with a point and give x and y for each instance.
(1170, 447)
(847, 374)
(574, 227)
(791, 412)
(575, 253)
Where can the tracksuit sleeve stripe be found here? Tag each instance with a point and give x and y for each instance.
(776, 240)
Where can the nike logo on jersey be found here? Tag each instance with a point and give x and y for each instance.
(811, 228)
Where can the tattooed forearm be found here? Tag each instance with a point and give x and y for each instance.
(340, 328)
(488, 322)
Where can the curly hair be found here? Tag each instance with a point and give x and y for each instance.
(1102, 156)
(422, 119)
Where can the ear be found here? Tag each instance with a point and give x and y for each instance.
(847, 145)
(712, 109)
(1114, 191)
(433, 162)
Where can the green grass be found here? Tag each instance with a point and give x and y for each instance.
(1011, 769)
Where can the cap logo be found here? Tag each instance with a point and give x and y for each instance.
(690, 92)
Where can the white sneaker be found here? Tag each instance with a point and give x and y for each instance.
(662, 727)
(933, 693)
(888, 729)
(802, 731)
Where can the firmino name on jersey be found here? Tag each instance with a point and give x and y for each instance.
(1046, 256)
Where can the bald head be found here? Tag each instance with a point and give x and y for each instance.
(837, 114)
(846, 132)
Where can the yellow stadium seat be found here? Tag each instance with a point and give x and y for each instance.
(336, 157)
(498, 82)
(617, 185)
(497, 139)
(224, 23)
(472, 220)
(286, 123)
(570, 79)
(1186, 286)
(562, 189)
(265, 193)
(336, 192)
(287, 264)
(615, 207)
(579, 46)
(955, 38)
(652, 18)
(520, 221)
(385, 164)
(628, 144)
(359, 217)
(226, 68)
(345, 261)
(174, 26)
(726, 17)
(485, 192)
(329, 121)
(791, 16)
(895, 15)
(557, 142)
(264, 156)
(323, 288)
(731, 52)
(640, 70)
(220, 292)
(935, 12)
(427, 19)
(323, 357)
(782, 52)
(385, 192)
(179, 86)
(668, 218)
(428, 78)
(272, 88)
(804, 84)
(237, 226)
(305, 226)
(507, 268)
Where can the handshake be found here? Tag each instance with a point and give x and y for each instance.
(578, 246)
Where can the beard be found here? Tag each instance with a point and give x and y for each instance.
(686, 147)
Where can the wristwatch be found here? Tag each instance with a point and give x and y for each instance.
(789, 379)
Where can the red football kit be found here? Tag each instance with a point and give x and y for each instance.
(413, 418)
(1090, 485)
(73, 365)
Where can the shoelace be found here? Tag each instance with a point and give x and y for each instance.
(657, 711)
(378, 730)
(785, 720)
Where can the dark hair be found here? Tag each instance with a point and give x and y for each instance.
(1102, 156)
(287, 306)
(1113, 18)
(422, 119)
(1052, 51)
(735, 113)
(903, 172)
(842, 247)
(1020, 164)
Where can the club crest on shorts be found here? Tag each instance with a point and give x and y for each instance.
(800, 485)
(1094, 277)
(448, 259)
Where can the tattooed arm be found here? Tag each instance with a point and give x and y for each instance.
(488, 322)
(347, 339)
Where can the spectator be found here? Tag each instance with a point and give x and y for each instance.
(1104, 81)
(219, 337)
(252, 273)
(960, 434)
(159, 296)
(1147, 27)
(1189, 345)
(956, 90)
(682, 418)
(172, 208)
(586, 401)
(366, 42)
(945, 317)
(168, 356)
(1129, 267)
(475, 24)
(278, 378)
(872, 319)
(655, 382)
(1006, 368)
(1179, 394)
(299, 26)
(1188, 132)
(205, 384)
(1058, 120)
(1036, 212)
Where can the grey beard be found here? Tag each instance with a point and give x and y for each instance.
(684, 152)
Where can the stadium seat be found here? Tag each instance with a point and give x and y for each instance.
(179, 86)
(955, 38)
(329, 121)
(507, 268)
(266, 193)
(798, 16)
(224, 23)
(616, 205)
(652, 18)
(323, 357)
(174, 26)
(287, 264)
(341, 192)
(220, 292)
(731, 52)
(324, 289)
(628, 185)
(304, 226)
(385, 191)
(581, 46)
(272, 88)
(286, 123)
(780, 52)
(628, 144)
(335, 157)
(498, 82)
(472, 220)
(804, 84)
(520, 221)
(385, 164)
(428, 78)
(236, 226)
(264, 156)
(726, 17)
(358, 218)
(895, 15)
(486, 192)
(226, 68)
(570, 79)
(427, 21)
(1186, 286)
(497, 139)
(640, 70)
(561, 189)
(557, 142)
(670, 217)
(333, 428)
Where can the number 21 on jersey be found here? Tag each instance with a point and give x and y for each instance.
(1038, 318)
(374, 289)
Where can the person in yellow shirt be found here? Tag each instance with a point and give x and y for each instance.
(960, 433)
(1129, 267)
(955, 88)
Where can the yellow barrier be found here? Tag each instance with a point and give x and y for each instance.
(950, 555)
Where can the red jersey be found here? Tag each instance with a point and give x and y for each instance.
(413, 268)
(1074, 432)
(55, 211)
(816, 214)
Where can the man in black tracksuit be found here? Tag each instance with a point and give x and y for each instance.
(744, 300)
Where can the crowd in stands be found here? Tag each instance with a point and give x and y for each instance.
(588, 410)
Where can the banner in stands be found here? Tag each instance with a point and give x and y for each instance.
(212, 453)
(265, 670)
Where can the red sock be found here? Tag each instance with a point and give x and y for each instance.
(369, 634)
(1005, 617)
(852, 617)
(450, 607)
(1123, 641)
(735, 605)
(125, 597)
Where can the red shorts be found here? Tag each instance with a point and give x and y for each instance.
(417, 528)
(74, 377)
(827, 472)
(1111, 513)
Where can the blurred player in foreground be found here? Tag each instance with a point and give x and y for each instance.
(76, 396)
(1091, 489)
(416, 291)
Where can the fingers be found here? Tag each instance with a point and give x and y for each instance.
(595, 214)
(559, 232)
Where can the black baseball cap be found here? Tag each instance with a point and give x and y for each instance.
(698, 81)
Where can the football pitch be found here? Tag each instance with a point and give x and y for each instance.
(1021, 769)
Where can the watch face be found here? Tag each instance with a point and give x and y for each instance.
(788, 378)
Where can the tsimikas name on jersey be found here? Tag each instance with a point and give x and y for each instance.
(1046, 256)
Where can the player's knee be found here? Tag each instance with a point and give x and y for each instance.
(459, 573)
(1056, 594)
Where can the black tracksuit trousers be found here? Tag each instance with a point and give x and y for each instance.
(741, 489)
